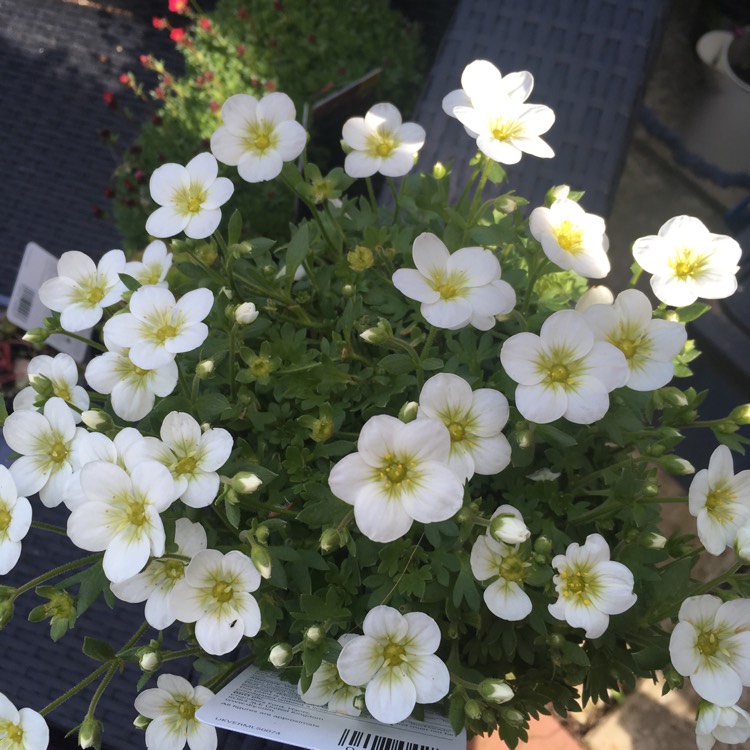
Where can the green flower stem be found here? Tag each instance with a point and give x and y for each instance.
(113, 668)
(406, 567)
(485, 173)
(604, 510)
(456, 680)
(233, 363)
(636, 275)
(92, 344)
(329, 214)
(215, 275)
(428, 343)
(396, 196)
(75, 689)
(535, 271)
(313, 210)
(49, 527)
(216, 683)
(581, 483)
(649, 500)
(708, 423)
(183, 382)
(135, 637)
(221, 243)
(182, 654)
(194, 391)
(470, 182)
(371, 193)
(34, 582)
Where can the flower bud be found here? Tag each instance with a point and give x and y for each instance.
(676, 465)
(408, 412)
(280, 655)
(507, 526)
(496, 691)
(556, 193)
(90, 733)
(473, 709)
(245, 482)
(595, 295)
(439, 171)
(261, 559)
(41, 384)
(36, 336)
(330, 540)
(97, 420)
(742, 544)
(245, 313)
(543, 545)
(653, 540)
(205, 369)
(380, 334)
(314, 635)
(359, 702)
(513, 717)
(149, 658)
(360, 259)
(262, 533)
(348, 290)
(741, 414)
(507, 205)
(543, 475)
(141, 722)
(6, 612)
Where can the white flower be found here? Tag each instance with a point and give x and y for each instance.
(157, 328)
(595, 295)
(395, 659)
(82, 288)
(720, 501)
(245, 314)
(399, 475)
(15, 521)
(121, 515)
(49, 443)
(711, 645)
(564, 371)
(572, 239)
(328, 689)
(455, 289)
(687, 261)
(591, 587)
(730, 724)
(189, 198)
(132, 389)
(215, 595)
(545, 474)
(474, 419)
(152, 269)
(154, 585)
(258, 136)
(381, 142)
(21, 730)
(501, 564)
(62, 373)
(491, 108)
(649, 345)
(191, 456)
(171, 706)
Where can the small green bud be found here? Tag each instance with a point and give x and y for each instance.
(141, 722)
(269, 271)
(262, 533)
(149, 658)
(360, 259)
(473, 709)
(676, 465)
(205, 369)
(652, 540)
(742, 544)
(651, 489)
(359, 702)
(513, 717)
(408, 412)
(90, 733)
(380, 334)
(673, 396)
(348, 291)
(261, 559)
(656, 450)
(6, 612)
(314, 635)
(438, 170)
(280, 655)
(543, 545)
(36, 336)
(673, 679)
(321, 429)
(741, 414)
(556, 193)
(330, 540)
(97, 420)
(555, 640)
(245, 482)
(496, 691)
(726, 428)
(41, 384)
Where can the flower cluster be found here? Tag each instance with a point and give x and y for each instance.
(403, 455)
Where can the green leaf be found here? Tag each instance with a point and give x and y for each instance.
(692, 312)
(211, 406)
(3, 412)
(296, 252)
(575, 654)
(97, 650)
(234, 229)
(92, 583)
(131, 283)
(465, 587)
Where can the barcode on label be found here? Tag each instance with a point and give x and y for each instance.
(24, 303)
(369, 741)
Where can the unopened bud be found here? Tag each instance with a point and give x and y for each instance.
(653, 540)
(513, 717)
(149, 658)
(439, 171)
(205, 368)
(473, 709)
(348, 290)
(280, 655)
(97, 420)
(360, 259)
(507, 205)
(41, 384)
(380, 334)
(6, 612)
(596, 295)
(245, 482)
(676, 465)
(262, 533)
(359, 702)
(246, 313)
(556, 193)
(36, 336)
(315, 635)
(496, 691)
(90, 733)
(408, 412)
(742, 544)
(261, 559)
(651, 489)
(507, 526)
(543, 545)
(673, 396)
(330, 540)
(141, 722)
(741, 414)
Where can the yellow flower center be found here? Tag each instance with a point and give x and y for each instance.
(222, 591)
(165, 332)
(707, 643)
(91, 291)
(394, 654)
(189, 200)
(559, 373)
(5, 518)
(174, 569)
(14, 733)
(186, 709)
(262, 142)
(151, 274)
(506, 130)
(382, 143)
(136, 513)
(186, 465)
(628, 347)
(578, 584)
(687, 264)
(513, 568)
(457, 432)
(569, 237)
(449, 286)
(63, 391)
(718, 500)
(395, 473)
(58, 451)
(259, 137)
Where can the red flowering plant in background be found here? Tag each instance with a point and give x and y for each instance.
(243, 46)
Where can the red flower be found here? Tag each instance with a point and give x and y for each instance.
(159, 23)
(204, 23)
(240, 50)
(146, 61)
(177, 6)
(125, 79)
(208, 76)
(242, 12)
(177, 35)
(278, 5)
(140, 175)
(270, 86)
(214, 106)
(109, 99)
